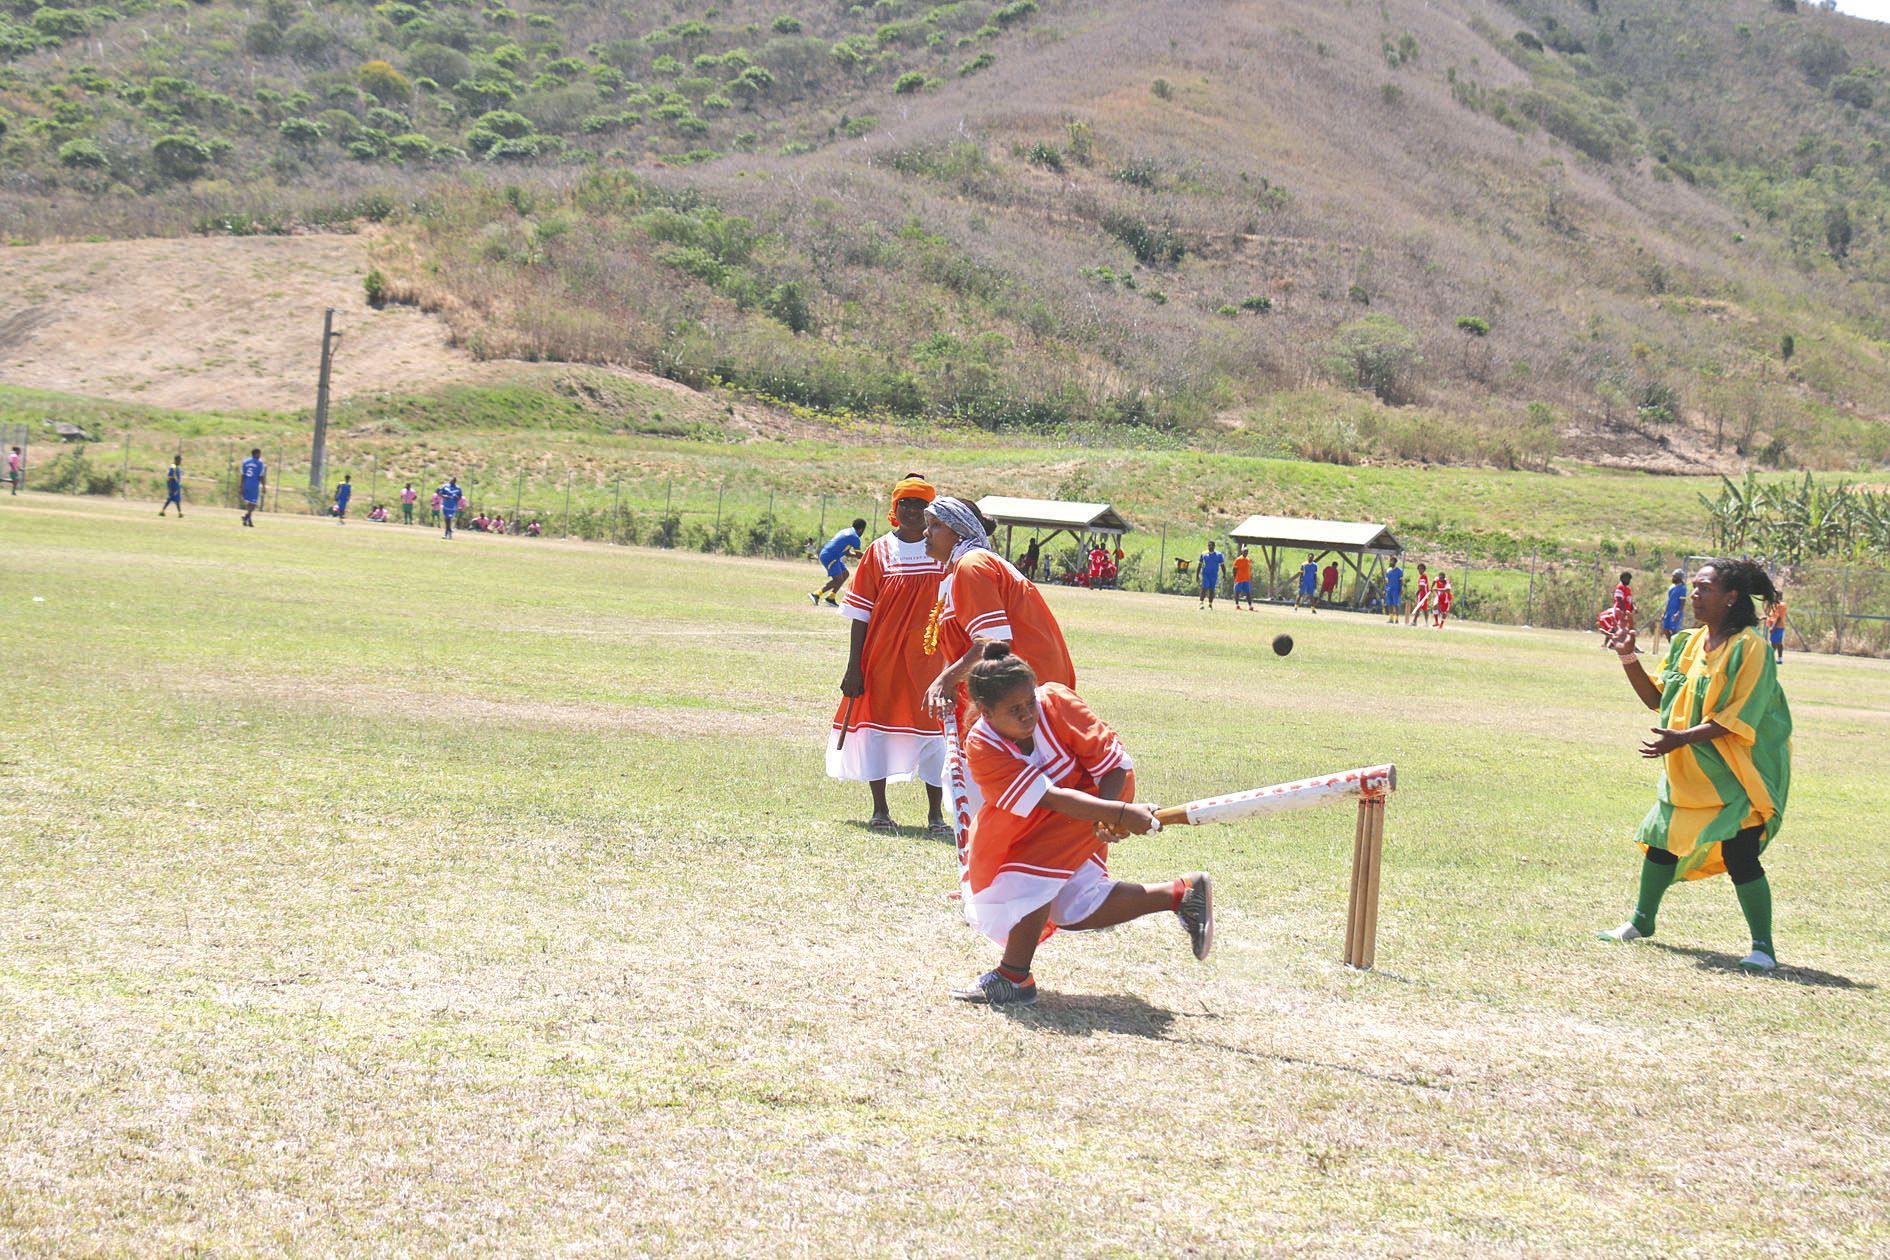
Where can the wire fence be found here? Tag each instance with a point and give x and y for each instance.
(1833, 607)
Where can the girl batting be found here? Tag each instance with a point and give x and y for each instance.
(1725, 744)
(1058, 786)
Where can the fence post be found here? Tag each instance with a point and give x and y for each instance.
(1161, 565)
(820, 530)
(124, 475)
(567, 503)
(1844, 606)
(718, 506)
(276, 494)
(229, 467)
(374, 479)
(1529, 611)
(518, 497)
(616, 496)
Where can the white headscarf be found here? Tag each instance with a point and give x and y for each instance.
(963, 520)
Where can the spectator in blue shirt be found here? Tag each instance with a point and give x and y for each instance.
(174, 486)
(1208, 567)
(1394, 590)
(343, 493)
(833, 558)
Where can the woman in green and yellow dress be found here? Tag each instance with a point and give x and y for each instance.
(1725, 744)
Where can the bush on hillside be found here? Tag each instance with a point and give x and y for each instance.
(1376, 353)
(83, 155)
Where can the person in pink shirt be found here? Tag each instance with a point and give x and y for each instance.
(407, 496)
(15, 464)
(433, 516)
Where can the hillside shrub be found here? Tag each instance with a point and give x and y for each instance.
(445, 66)
(181, 157)
(383, 82)
(374, 286)
(84, 155)
(1153, 245)
(1259, 302)
(1376, 353)
(909, 82)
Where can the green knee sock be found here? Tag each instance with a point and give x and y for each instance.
(1655, 880)
(1755, 899)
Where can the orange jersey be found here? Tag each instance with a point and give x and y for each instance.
(1014, 831)
(1775, 615)
(893, 591)
(1243, 569)
(1442, 594)
(987, 598)
(1623, 599)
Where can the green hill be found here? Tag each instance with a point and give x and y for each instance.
(1622, 231)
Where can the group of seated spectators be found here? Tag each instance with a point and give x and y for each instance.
(494, 524)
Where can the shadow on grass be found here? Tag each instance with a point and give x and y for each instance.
(1077, 1015)
(1713, 960)
(901, 831)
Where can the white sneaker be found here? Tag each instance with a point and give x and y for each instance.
(1758, 960)
(1626, 932)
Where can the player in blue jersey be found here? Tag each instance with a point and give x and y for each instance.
(450, 498)
(174, 487)
(1394, 590)
(343, 493)
(1208, 566)
(1675, 610)
(255, 478)
(1308, 586)
(833, 558)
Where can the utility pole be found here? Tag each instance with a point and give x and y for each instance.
(318, 459)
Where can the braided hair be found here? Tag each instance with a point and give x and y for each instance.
(998, 671)
(1745, 579)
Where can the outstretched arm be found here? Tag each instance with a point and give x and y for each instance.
(1622, 641)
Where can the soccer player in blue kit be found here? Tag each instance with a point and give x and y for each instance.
(833, 558)
(174, 487)
(450, 498)
(1308, 585)
(1676, 603)
(255, 477)
(343, 493)
(1394, 590)
(1209, 567)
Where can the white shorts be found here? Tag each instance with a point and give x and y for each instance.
(1014, 894)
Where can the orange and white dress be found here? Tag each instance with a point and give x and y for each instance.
(890, 737)
(987, 598)
(1022, 854)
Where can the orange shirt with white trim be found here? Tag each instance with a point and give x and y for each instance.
(987, 598)
(1071, 748)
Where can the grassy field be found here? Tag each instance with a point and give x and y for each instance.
(363, 893)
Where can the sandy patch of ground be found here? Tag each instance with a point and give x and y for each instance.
(216, 323)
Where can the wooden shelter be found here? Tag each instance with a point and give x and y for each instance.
(1359, 545)
(1050, 517)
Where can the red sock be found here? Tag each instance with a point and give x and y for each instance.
(1180, 890)
(1013, 975)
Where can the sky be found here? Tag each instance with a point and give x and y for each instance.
(1877, 10)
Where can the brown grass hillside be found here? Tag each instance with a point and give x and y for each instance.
(1584, 228)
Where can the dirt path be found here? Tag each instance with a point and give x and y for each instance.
(211, 323)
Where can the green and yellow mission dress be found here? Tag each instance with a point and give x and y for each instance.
(1710, 791)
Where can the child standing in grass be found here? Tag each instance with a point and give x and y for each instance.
(449, 497)
(1057, 786)
(407, 496)
(1725, 746)
(1394, 590)
(343, 493)
(16, 464)
(1422, 603)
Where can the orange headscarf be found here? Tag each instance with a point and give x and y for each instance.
(909, 488)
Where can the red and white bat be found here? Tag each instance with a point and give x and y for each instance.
(1280, 798)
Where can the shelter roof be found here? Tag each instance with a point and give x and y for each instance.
(1053, 514)
(1297, 531)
